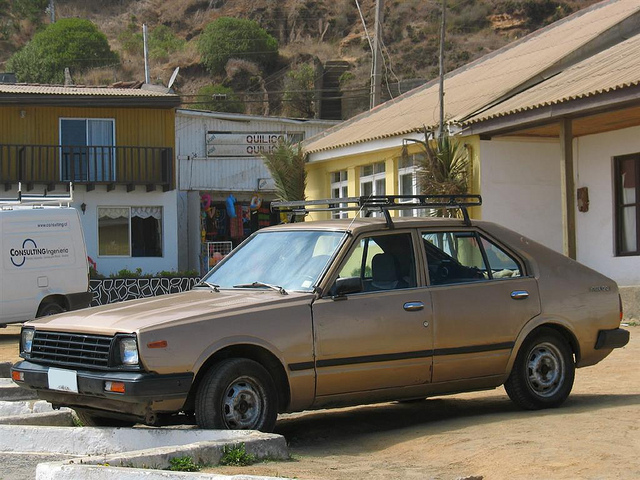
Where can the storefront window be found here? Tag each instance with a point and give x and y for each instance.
(130, 231)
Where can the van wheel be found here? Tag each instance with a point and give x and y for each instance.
(543, 373)
(50, 308)
(91, 420)
(237, 394)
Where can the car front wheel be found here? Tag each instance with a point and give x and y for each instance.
(237, 394)
(543, 373)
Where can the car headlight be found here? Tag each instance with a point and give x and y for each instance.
(26, 341)
(128, 351)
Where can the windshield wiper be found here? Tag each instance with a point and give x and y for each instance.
(277, 288)
(212, 286)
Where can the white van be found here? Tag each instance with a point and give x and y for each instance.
(44, 267)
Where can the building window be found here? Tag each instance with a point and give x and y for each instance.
(627, 181)
(408, 180)
(339, 189)
(372, 179)
(130, 231)
(86, 150)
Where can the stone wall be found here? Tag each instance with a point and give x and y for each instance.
(111, 290)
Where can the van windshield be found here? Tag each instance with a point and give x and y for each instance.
(292, 260)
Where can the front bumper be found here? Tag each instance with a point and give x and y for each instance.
(141, 389)
(609, 339)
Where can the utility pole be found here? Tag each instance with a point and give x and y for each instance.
(52, 11)
(441, 65)
(376, 74)
(146, 54)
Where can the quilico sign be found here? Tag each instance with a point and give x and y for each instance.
(245, 144)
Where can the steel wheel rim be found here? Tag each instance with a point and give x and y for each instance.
(545, 369)
(242, 404)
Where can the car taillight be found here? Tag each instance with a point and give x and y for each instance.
(620, 303)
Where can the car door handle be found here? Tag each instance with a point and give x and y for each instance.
(413, 306)
(519, 294)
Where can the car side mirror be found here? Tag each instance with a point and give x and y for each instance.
(345, 286)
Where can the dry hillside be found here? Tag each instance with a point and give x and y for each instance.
(305, 29)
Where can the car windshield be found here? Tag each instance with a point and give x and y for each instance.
(292, 260)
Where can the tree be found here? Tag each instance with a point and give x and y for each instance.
(443, 168)
(218, 98)
(227, 38)
(286, 165)
(70, 42)
(299, 92)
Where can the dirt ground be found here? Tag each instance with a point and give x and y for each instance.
(594, 435)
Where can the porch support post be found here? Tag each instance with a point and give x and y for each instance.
(568, 189)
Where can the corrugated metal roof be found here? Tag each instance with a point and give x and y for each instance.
(613, 69)
(480, 83)
(19, 88)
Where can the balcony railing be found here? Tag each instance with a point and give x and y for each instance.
(86, 165)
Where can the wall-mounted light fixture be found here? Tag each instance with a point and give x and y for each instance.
(23, 113)
(83, 207)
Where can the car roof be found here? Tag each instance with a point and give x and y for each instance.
(365, 224)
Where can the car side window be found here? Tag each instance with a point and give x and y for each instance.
(383, 262)
(502, 265)
(457, 257)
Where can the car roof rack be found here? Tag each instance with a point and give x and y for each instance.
(380, 203)
(39, 199)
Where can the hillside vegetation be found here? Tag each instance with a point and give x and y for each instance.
(308, 33)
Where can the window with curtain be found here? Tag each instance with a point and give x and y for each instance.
(627, 181)
(130, 231)
(87, 153)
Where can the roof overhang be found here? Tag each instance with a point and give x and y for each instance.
(126, 101)
(379, 145)
(599, 113)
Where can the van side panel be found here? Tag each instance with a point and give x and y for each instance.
(43, 254)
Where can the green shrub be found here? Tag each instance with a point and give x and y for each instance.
(218, 98)
(70, 42)
(227, 38)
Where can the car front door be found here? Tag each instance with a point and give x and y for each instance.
(381, 336)
(482, 297)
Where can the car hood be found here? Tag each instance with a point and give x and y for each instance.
(149, 313)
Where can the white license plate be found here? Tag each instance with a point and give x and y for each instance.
(65, 380)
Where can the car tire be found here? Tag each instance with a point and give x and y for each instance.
(543, 373)
(237, 394)
(50, 308)
(92, 420)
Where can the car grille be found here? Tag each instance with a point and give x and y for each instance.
(71, 349)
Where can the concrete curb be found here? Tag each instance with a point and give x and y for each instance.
(58, 471)
(109, 441)
(5, 369)
(261, 445)
(11, 391)
(51, 419)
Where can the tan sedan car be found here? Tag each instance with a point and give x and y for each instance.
(341, 312)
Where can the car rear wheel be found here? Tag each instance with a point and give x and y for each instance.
(92, 420)
(237, 394)
(543, 373)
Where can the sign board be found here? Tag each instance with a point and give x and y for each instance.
(245, 144)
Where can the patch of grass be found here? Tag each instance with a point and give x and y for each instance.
(183, 464)
(236, 456)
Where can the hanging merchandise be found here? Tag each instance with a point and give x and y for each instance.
(231, 203)
(235, 223)
(256, 202)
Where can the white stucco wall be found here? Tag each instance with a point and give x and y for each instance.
(139, 197)
(595, 228)
(520, 187)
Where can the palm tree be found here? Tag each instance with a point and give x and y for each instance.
(443, 169)
(286, 165)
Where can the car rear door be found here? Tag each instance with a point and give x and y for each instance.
(482, 296)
